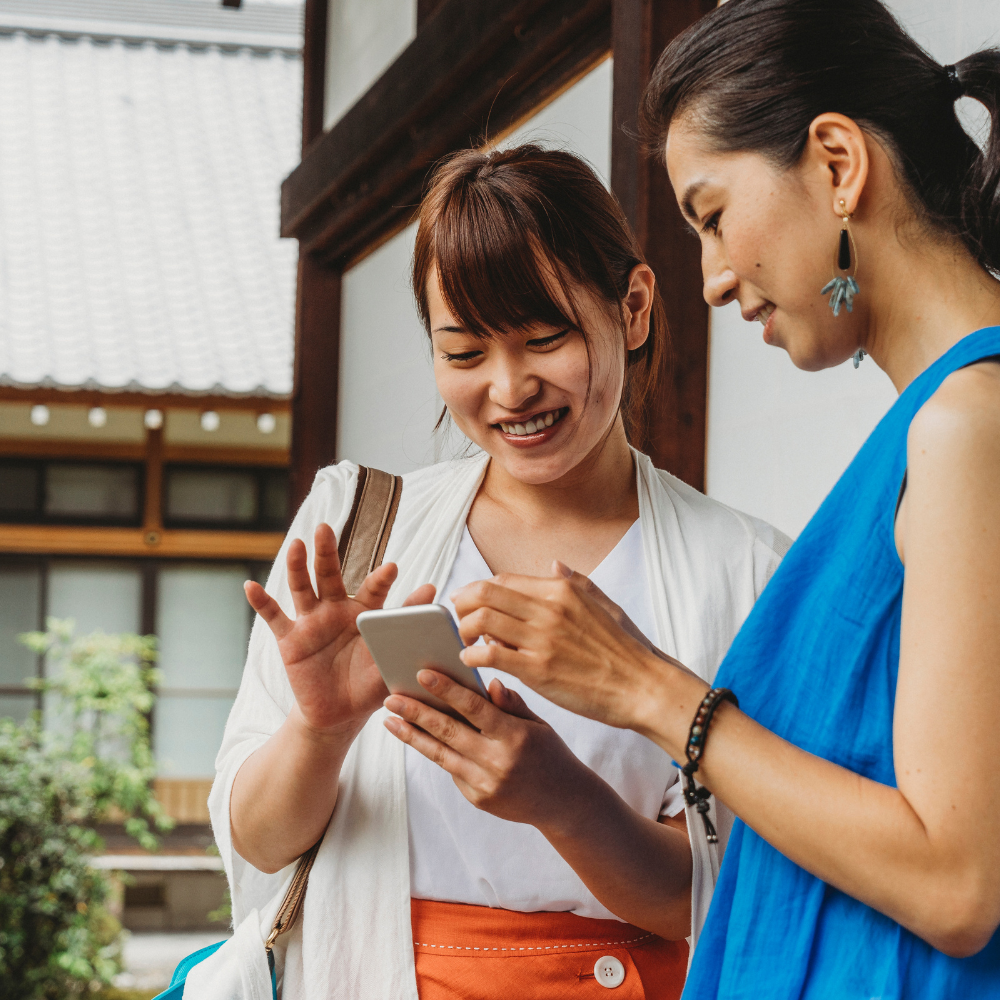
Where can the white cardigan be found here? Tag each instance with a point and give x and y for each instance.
(706, 565)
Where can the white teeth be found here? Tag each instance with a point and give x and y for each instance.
(763, 315)
(532, 426)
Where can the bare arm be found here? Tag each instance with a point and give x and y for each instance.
(924, 853)
(516, 767)
(285, 792)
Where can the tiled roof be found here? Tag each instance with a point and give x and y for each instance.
(139, 181)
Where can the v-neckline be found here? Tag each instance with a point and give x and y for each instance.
(635, 525)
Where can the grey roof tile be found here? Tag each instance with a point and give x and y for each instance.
(139, 213)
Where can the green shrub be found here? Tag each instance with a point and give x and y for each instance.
(93, 764)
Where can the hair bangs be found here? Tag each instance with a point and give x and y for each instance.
(496, 274)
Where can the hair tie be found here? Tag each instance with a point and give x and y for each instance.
(955, 87)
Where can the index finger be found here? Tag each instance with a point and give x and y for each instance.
(503, 593)
(473, 707)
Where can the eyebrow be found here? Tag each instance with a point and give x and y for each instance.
(690, 193)
(449, 329)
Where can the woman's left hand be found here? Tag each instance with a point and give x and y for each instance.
(515, 767)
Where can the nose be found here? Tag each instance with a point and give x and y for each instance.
(513, 384)
(720, 283)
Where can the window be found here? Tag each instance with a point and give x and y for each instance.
(204, 625)
(210, 497)
(198, 610)
(20, 611)
(39, 492)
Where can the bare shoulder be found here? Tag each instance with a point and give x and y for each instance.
(962, 418)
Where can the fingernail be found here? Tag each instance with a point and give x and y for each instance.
(393, 725)
(563, 569)
(394, 704)
(427, 679)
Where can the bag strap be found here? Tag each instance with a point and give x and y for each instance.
(361, 549)
(366, 533)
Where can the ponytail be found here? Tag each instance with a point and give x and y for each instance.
(978, 77)
(757, 72)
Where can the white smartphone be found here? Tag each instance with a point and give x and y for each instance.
(403, 641)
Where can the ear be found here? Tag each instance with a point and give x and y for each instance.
(638, 305)
(836, 154)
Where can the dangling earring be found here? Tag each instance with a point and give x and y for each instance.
(844, 289)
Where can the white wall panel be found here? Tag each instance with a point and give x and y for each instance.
(779, 438)
(363, 38)
(388, 402)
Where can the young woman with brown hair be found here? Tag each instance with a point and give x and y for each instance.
(547, 854)
(816, 150)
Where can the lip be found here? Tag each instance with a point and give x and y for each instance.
(539, 437)
(752, 316)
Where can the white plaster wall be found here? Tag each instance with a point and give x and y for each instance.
(579, 120)
(779, 438)
(388, 403)
(363, 38)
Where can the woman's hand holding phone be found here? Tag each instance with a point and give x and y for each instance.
(331, 672)
(515, 766)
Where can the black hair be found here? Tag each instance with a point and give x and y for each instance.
(755, 73)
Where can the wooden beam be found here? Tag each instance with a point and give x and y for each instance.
(112, 451)
(641, 29)
(317, 374)
(424, 10)
(169, 543)
(130, 451)
(475, 63)
(313, 70)
(148, 401)
(153, 505)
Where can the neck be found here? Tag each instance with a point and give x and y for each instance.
(934, 296)
(601, 487)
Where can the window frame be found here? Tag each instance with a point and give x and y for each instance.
(260, 473)
(39, 515)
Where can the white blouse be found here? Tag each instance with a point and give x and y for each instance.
(705, 565)
(459, 853)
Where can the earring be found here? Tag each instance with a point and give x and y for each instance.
(844, 289)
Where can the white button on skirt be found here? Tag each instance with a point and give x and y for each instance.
(609, 972)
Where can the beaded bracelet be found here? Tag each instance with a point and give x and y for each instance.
(693, 795)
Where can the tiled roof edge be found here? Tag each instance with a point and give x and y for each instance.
(174, 389)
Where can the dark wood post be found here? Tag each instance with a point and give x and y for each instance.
(640, 30)
(317, 312)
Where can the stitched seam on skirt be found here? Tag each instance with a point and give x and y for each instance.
(548, 947)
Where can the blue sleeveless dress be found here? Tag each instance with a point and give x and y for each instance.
(816, 663)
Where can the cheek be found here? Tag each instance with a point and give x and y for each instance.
(459, 389)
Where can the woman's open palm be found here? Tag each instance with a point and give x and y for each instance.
(332, 674)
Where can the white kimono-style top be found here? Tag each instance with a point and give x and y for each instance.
(706, 565)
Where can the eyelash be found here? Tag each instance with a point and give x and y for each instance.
(712, 224)
(470, 355)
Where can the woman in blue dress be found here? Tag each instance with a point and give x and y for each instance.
(815, 149)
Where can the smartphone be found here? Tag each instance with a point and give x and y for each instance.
(403, 641)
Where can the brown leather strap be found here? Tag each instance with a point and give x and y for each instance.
(366, 533)
(361, 549)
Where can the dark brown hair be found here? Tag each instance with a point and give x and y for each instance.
(502, 225)
(755, 73)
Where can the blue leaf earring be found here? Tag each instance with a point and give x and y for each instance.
(844, 288)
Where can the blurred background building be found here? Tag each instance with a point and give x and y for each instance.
(146, 338)
(153, 420)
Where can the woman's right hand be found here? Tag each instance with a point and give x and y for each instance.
(333, 676)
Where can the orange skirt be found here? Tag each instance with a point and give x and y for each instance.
(479, 953)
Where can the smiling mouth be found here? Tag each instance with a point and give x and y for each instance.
(539, 422)
(764, 314)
